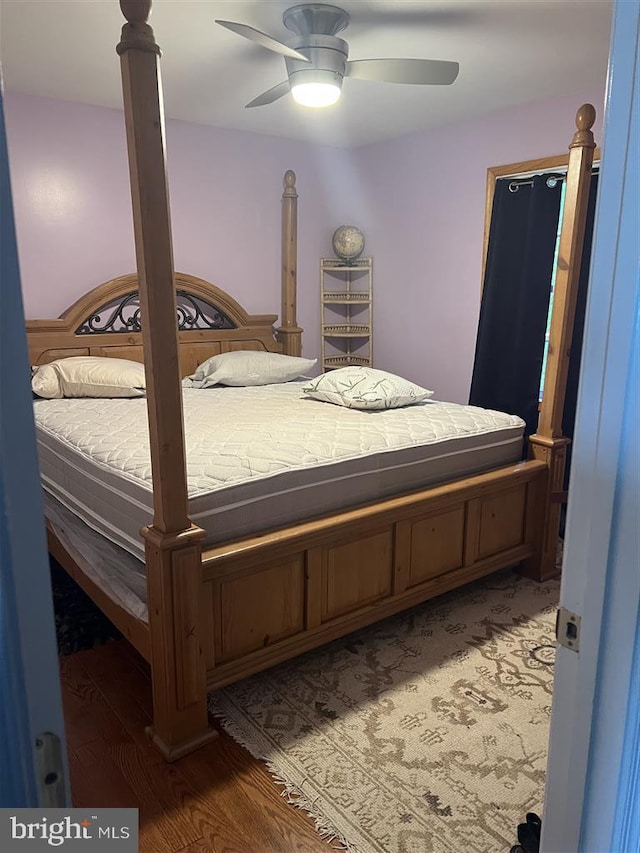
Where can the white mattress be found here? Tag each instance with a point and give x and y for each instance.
(259, 457)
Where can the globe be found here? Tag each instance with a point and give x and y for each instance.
(348, 243)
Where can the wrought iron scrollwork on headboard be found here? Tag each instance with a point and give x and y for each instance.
(123, 315)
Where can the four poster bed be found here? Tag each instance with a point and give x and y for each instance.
(219, 612)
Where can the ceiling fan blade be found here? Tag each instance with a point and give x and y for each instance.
(434, 72)
(262, 39)
(270, 95)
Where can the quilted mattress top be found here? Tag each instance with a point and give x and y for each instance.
(238, 434)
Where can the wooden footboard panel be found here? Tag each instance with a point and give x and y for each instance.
(275, 596)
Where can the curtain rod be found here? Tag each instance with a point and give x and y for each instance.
(558, 176)
(551, 181)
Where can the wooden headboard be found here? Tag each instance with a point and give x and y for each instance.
(106, 322)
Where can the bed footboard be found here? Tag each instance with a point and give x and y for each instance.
(271, 598)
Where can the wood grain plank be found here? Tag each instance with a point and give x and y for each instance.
(245, 794)
(96, 781)
(220, 799)
(169, 813)
(125, 690)
(87, 716)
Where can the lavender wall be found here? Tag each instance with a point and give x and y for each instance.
(419, 200)
(426, 229)
(73, 209)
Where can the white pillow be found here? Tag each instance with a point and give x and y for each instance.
(89, 376)
(248, 367)
(365, 388)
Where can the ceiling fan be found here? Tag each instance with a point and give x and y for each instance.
(317, 60)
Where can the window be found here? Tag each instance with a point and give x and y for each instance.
(553, 283)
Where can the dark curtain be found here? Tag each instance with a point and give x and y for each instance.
(515, 298)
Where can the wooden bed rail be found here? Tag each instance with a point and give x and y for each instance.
(548, 444)
(173, 545)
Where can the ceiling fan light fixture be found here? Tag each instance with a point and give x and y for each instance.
(317, 60)
(315, 87)
(315, 95)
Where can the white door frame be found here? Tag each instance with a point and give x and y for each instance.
(600, 578)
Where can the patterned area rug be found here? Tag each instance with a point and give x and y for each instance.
(426, 732)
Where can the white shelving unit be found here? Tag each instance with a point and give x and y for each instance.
(346, 312)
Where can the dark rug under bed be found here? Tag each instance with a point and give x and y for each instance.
(79, 623)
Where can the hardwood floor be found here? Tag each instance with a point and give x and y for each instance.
(219, 799)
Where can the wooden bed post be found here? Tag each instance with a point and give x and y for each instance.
(173, 545)
(548, 444)
(289, 333)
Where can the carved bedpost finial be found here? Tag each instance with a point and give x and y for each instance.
(585, 119)
(137, 34)
(289, 184)
(136, 11)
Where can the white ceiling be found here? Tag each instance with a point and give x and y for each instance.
(510, 52)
